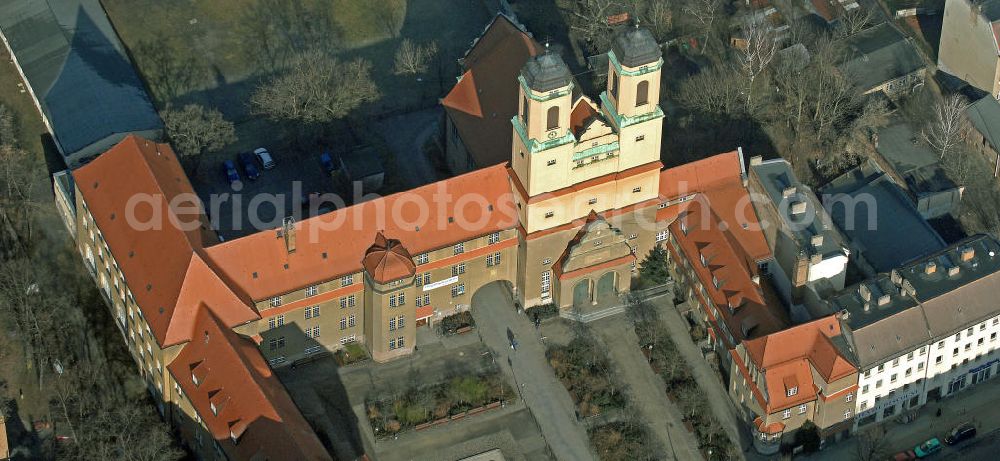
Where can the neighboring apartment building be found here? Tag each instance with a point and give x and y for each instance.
(78, 75)
(926, 330)
(881, 59)
(715, 250)
(969, 43)
(807, 247)
(786, 378)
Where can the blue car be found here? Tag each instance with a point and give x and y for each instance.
(327, 162)
(249, 168)
(231, 174)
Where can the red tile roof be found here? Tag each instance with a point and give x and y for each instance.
(133, 184)
(250, 403)
(333, 244)
(484, 100)
(386, 260)
(786, 356)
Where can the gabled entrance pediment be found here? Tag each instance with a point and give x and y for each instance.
(596, 243)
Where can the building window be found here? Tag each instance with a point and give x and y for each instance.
(392, 343)
(275, 322)
(401, 321)
(546, 283)
(549, 214)
(312, 349)
(614, 85)
(592, 201)
(792, 391)
(458, 290)
(847, 414)
(802, 409)
(312, 312)
(276, 343)
(864, 389)
(347, 301)
(661, 235)
(493, 238)
(892, 378)
(636, 190)
(937, 360)
(392, 324)
(343, 323)
(351, 320)
(311, 291)
(493, 259)
(422, 258)
(392, 300)
(276, 301)
(400, 342)
(551, 162)
(459, 248)
(849, 397)
(424, 300)
(313, 332)
(458, 269)
(786, 414)
(920, 366)
(642, 93)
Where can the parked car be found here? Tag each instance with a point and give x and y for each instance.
(905, 455)
(264, 157)
(249, 168)
(929, 447)
(327, 162)
(960, 433)
(231, 174)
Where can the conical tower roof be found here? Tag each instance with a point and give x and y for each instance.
(546, 72)
(636, 47)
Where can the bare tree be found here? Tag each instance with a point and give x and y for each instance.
(716, 90)
(590, 21)
(316, 88)
(194, 130)
(8, 126)
(388, 14)
(659, 18)
(949, 127)
(19, 188)
(705, 13)
(412, 58)
(872, 445)
(855, 20)
(760, 47)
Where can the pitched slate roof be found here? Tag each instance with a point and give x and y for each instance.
(484, 100)
(77, 69)
(879, 54)
(985, 117)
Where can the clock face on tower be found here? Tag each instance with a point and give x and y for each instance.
(552, 134)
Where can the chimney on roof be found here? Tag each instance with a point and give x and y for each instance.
(908, 288)
(930, 268)
(788, 191)
(756, 160)
(815, 259)
(288, 231)
(755, 279)
(817, 240)
(799, 207)
(844, 314)
(868, 307)
(866, 294)
(967, 254)
(883, 300)
(953, 271)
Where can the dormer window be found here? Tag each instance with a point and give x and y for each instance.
(215, 410)
(194, 379)
(792, 391)
(233, 437)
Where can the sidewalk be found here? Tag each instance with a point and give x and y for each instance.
(977, 405)
(646, 389)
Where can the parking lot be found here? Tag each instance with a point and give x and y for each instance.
(252, 205)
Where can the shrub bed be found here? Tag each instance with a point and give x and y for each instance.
(452, 324)
(585, 371)
(442, 401)
(543, 311)
(350, 353)
(619, 441)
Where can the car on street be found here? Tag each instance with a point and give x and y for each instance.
(264, 157)
(960, 433)
(231, 174)
(327, 162)
(249, 168)
(929, 447)
(905, 455)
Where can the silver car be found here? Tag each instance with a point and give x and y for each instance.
(264, 157)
